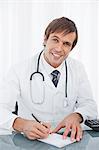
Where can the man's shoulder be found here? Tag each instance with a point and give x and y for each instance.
(27, 61)
(25, 65)
(75, 63)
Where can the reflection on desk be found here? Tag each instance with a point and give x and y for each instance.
(17, 141)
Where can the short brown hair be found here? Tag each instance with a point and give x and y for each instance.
(64, 25)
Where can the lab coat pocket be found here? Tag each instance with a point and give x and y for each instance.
(60, 102)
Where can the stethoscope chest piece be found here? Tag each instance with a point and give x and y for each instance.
(60, 100)
(65, 102)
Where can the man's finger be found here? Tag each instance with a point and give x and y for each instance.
(34, 136)
(56, 129)
(39, 133)
(42, 128)
(73, 132)
(47, 125)
(67, 130)
(79, 133)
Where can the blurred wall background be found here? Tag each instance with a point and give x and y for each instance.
(22, 25)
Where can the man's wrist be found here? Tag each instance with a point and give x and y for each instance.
(18, 124)
(80, 117)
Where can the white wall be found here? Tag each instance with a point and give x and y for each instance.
(22, 25)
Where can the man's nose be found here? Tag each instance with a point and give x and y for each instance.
(60, 46)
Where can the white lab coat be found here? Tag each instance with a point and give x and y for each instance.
(16, 87)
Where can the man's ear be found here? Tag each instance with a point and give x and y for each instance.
(45, 40)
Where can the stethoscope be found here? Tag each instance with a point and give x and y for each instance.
(43, 79)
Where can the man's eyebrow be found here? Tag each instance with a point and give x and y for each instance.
(55, 36)
(68, 42)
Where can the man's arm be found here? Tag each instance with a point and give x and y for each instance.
(71, 123)
(86, 108)
(32, 129)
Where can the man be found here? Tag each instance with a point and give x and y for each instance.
(50, 86)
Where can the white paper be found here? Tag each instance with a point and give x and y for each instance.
(57, 140)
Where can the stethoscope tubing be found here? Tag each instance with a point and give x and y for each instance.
(43, 78)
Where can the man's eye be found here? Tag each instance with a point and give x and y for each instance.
(56, 40)
(67, 44)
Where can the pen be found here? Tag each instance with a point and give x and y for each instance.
(36, 118)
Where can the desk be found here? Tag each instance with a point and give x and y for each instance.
(17, 141)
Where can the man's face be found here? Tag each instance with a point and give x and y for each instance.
(58, 47)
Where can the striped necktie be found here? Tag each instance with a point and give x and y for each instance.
(55, 77)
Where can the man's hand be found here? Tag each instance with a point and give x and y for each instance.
(71, 123)
(32, 129)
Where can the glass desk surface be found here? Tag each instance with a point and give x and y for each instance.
(17, 141)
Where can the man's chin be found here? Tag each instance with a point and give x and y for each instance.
(55, 65)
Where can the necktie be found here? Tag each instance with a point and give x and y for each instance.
(55, 77)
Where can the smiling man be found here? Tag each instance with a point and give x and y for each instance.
(51, 87)
(58, 46)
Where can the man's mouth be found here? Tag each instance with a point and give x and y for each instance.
(56, 55)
